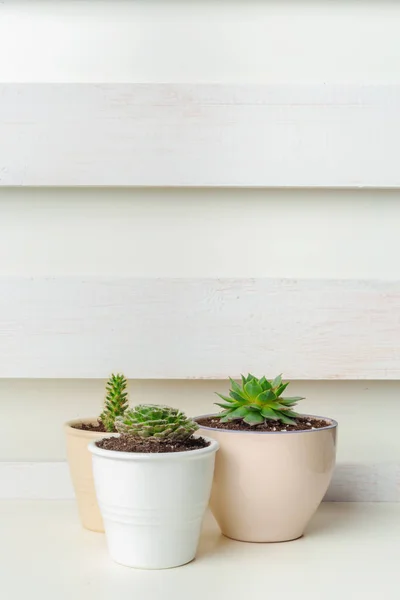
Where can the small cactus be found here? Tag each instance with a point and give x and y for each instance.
(116, 401)
(155, 422)
(257, 401)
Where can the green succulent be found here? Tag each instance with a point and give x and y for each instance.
(257, 401)
(116, 401)
(156, 423)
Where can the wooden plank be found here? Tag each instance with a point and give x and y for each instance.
(199, 328)
(51, 481)
(199, 135)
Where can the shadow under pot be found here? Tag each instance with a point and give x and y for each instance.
(268, 485)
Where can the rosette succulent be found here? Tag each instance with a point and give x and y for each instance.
(256, 401)
(156, 422)
(116, 401)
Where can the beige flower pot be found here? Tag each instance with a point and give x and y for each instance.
(267, 486)
(80, 465)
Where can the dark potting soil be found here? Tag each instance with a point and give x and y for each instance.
(126, 443)
(302, 424)
(98, 428)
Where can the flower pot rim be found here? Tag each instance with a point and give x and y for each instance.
(333, 425)
(160, 456)
(68, 426)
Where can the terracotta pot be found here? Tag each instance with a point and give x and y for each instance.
(80, 465)
(268, 485)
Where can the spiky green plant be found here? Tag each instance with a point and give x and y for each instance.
(257, 401)
(116, 401)
(156, 423)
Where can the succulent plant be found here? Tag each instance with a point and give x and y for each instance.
(116, 401)
(257, 401)
(156, 423)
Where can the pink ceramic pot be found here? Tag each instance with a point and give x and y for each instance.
(267, 486)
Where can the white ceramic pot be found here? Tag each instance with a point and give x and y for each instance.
(153, 504)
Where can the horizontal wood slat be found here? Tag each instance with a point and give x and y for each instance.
(199, 328)
(199, 135)
(51, 481)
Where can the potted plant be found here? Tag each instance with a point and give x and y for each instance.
(153, 485)
(274, 465)
(79, 432)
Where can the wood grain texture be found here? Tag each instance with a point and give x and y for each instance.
(199, 135)
(51, 481)
(199, 328)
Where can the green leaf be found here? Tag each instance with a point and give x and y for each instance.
(225, 414)
(265, 384)
(226, 398)
(115, 403)
(277, 406)
(222, 405)
(291, 413)
(249, 377)
(253, 406)
(286, 420)
(266, 396)
(239, 413)
(277, 381)
(282, 388)
(253, 389)
(268, 413)
(253, 418)
(235, 386)
(238, 397)
(291, 400)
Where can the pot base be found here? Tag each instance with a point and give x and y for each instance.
(155, 547)
(147, 568)
(289, 539)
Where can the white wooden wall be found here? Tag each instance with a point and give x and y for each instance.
(304, 281)
(230, 41)
(199, 328)
(199, 135)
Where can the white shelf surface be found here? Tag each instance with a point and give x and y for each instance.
(349, 548)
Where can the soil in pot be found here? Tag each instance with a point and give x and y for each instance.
(95, 427)
(126, 443)
(302, 424)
